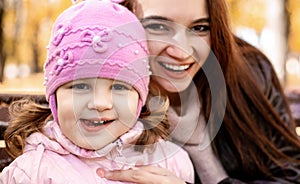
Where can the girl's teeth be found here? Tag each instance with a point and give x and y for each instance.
(98, 122)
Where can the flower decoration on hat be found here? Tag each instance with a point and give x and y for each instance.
(64, 59)
(61, 30)
(97, 39)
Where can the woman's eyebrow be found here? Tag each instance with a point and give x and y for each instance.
(155, 17)
(161, 18)
(201, 20)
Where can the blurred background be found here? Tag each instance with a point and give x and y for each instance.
(271, 25)
(25, 25)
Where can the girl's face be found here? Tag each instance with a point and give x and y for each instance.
(94, 112)
(179, 39)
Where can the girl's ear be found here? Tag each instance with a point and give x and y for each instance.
(53, 106)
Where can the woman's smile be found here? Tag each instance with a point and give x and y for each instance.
(174, 71)
(175, 68)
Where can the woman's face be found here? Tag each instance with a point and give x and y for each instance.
(179, 39)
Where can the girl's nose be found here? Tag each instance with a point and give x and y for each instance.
(101, 101)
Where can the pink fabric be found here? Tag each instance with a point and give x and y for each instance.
(115, 1)
(47, 161)
(97, 38)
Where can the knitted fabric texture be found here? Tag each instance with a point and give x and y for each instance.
(97, 38)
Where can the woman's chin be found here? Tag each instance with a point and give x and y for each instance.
(173, 86)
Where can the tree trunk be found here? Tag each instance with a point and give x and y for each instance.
(35, 49)
(275, 35)
(2, 54)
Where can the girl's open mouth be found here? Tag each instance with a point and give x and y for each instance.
(94, 125)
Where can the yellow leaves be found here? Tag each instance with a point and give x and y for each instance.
(253, 14)
(247, 13)
(294, 39)
(27, 28)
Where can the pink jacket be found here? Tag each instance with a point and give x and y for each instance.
(48, 161)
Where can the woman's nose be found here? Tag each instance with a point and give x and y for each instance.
(101, 101)
(180, 48)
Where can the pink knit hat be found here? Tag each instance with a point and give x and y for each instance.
(97, 38)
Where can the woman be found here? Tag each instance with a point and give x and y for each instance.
(243, 108)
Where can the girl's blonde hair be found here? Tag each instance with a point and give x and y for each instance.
(26, 117)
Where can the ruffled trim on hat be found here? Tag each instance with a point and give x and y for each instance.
(114, 1)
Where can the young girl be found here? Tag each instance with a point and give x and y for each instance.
(96, 78)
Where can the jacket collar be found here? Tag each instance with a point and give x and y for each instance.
(54, 140)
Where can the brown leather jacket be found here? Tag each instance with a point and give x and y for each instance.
(262, 70)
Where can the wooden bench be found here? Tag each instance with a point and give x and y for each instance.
(5, 159)
(6, 99)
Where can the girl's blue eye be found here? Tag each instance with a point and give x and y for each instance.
(80, 86)
(120, 87)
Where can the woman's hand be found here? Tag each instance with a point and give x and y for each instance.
(141, 174)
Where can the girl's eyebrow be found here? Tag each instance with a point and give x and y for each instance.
(161, 18)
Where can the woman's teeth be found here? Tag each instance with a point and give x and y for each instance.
(176, 68)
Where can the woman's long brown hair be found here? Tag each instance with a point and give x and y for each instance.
(242, 143)
(247, 106)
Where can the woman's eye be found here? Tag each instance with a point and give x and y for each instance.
(120, 87)
(80, 86)
(200, 29)
(156, 28)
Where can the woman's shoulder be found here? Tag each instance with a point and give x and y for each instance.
(258, 63)
(253, 56)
